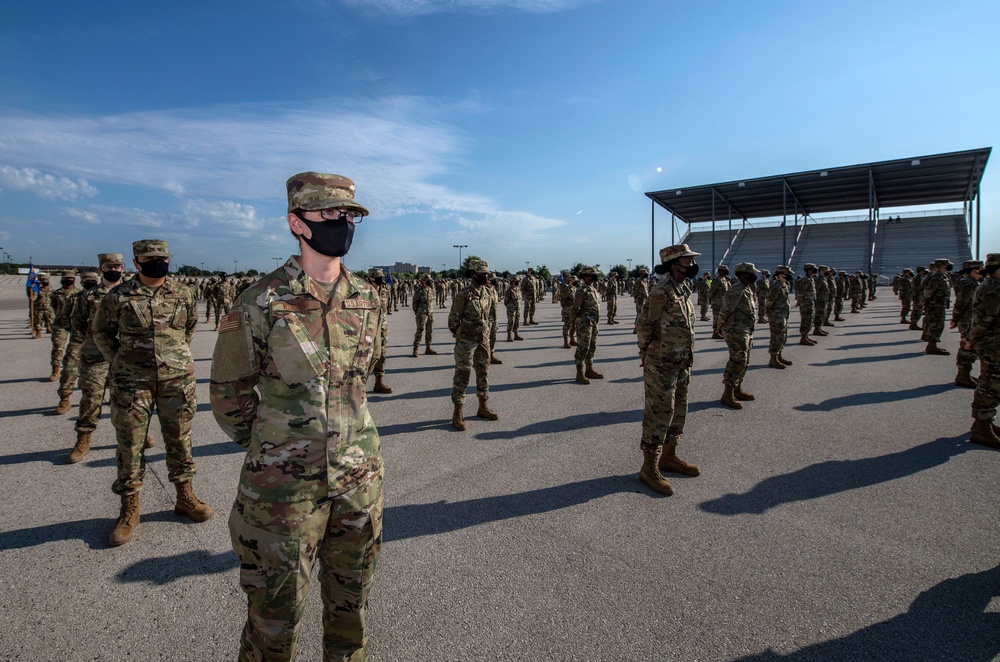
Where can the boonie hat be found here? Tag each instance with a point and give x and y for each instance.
(478, 267)
(810, 265)
(746, 268)
(149, 248)
(376, 272)
(784, 269)
(310, 191)
(674, 252)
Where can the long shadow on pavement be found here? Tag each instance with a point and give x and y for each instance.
(26, 412)
(875, 344)
(876, 397)
(948, 621)
(427, 519)
(835, 476)
(162, 570)
(94, 532)
(56, 456)
(870, 359)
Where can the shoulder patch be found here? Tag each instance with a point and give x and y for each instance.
(230, 322)
(363, 304)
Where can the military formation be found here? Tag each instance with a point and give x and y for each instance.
(296, 348)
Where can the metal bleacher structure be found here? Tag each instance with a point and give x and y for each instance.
(786, 219)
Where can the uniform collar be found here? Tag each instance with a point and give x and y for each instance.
(300, 283)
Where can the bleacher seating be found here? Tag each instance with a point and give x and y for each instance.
(762, 246)
(701, 242)
(843, 246)
(918, 241)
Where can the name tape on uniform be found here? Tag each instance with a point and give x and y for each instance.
(355, 304)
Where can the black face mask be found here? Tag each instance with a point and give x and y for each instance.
(378, 281)
(751, 278)
(68, 283)
(480, 279)
(692, 270)
(948, 267)
(89, 284)
(329, 238)
(157, 268)
(112, 276)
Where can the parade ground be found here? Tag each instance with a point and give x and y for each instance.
(843, 515)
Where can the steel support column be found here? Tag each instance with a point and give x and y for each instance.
(652, 232)
(784, 226)
(979, 194)
(714, 263)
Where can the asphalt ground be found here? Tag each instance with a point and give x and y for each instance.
(843, 515)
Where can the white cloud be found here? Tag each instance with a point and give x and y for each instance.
(88, 216)
(51, 187)
(418, 7)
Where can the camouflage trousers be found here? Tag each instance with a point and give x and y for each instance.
(222, 307)
(425, 328)
(965, 357)
(838, 307)
(569, 326)
(739, 358)
(493, 338)
(778, 323)
(93, 381)
(70, 367)
(704, 306)
(987, 396)
(514, 317)
(586, 340)
(208, 309)
(666, 391)
(132, 405)
(905, 308)
(917, 311)
(822, 311)
(807, 312)
(933, 323)
(278, 544)
(378, 369)
(45, 318)
(469, 355)
(59, 339)
(529, 309)
(715, 317)
(612, 307)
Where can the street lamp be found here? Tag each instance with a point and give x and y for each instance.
(460, 247)
(527, 265)
(630, 265)
(203, 268)
(236, 266)
(276, 261)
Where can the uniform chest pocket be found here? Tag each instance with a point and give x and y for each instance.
(135, 314)
(179, 316)
(296, 356)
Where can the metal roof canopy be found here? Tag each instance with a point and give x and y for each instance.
(921, 180)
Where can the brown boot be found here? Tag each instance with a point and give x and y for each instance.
(839, 319)
(783, 359)
(717, 336)
(63, 406)
(817, 331)
(149, 442)
(932, 348)
(128, 520)
(517, 337)
(650, 474)
(415, 353)
(914, 326)
(216, 328)
(704, 318)
(458, 419)
(189, 505)
(775, 363)
(806, 340)
(580, 377)
(903, 320)
(983, 433)
(484, 411)
(572, 341)
(741, 394)
(428, 350)
(566, 344)
(670, 462)
(493, 360)
(728, 400)
(55, 374)
(81, 448)
(591, 373)
(509, 338)
(965, 378)
(380, 386)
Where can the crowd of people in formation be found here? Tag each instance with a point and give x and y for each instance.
(296, 348)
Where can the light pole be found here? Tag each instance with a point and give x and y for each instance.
(276, 261)
(236, 266)
(527, 265)
(630, 265)
(202, 268)
(459, 247)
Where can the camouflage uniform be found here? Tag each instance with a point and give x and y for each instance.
(586, 312)
(905, 288)
(529, 292)
(93, 365)
(423, 310)
(778, 311)
(961, 318)
(738, 317)
(512, 302)
(704, 285)
(936, 295)
(375, 279)
(31, 288)
(917, 310)
(984, 336)
(842, 285)
(761, 288)
(43, 304)
(71, 359)
(805, 296)
(471, 319)
(822, 300)
(566, 296)
(716, 295)
(612, 299)
(856, 291)
(640, 293)
(224, 294)
(60, 328)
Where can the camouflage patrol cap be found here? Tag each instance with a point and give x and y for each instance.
(992, 260)
(376, 272)
(722, 269)
(587, 271)
(90, 275)
(310, 191)
(765, 272)
(478, 267)
(745, 268)
(109, 258)
(972, 264)
(43, 278)
(674, 252)
(823, 267)
(784, 269)
(69, 274)
(919, 269)
(942, 260)
(908, 270)
(150, 248)
(809, 265)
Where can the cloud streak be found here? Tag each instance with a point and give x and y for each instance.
(422, 7)
(45, 185)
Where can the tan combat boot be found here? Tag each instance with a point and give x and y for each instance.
(517, 337)
(55, 374)
(591, 373)
(128, 520)
(494, 360)
(782, 359)
(566, 344)
(81, 448)
(741, 394)
(580, 377)
(189, 505)
(728, 399)
(149, 442)
(775, 363)
(965, 378)
(650, 475)
(572, 340)
(458, 419)
(429, 351)
(509, 337)
(670, 462)
(704, 317)
(806, 340)
(983, 433)
(63, 406)
(484, 411)
(818, 331)
(932, 348)
(716, 335)
(415, 348)
(380, 386)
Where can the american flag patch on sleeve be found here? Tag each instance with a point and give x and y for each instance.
(230, 322)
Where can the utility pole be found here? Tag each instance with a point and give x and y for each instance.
(459, 247)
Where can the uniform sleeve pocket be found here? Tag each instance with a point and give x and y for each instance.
(366, 342)
(269, 564)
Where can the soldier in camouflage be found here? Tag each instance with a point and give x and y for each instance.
(423, 310)
(738, 318)
(805, 297)
(778, 311)
(961, 319)
(566, 295)
(761, 288)
(71, 360)
(640, 292)
(822, 299)
(586, 312)
(704, 285)
(376, 278)
(984, 339)
(288, 383)
(60, 333)
(472, 316)
(93, 365)
(904, 288)
(936, 294)
(612, 298)
(224, 293)
(144, 329)
(716, 295)
(529, 292)
(665, 333)
(512, 302)
(917, 298)
(43, 303)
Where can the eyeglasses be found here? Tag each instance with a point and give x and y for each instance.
(341, 215)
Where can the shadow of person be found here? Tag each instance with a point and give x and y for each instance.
(834, 476)
(876, 397)
(948, 621)
(573, 422)
(93, 532)
(162, 570)
(428, 519)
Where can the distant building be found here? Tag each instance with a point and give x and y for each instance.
(402, 268)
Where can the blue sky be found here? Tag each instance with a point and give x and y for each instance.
(527, 130)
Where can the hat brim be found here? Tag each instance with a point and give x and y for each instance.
(333, 203)
(147, 254)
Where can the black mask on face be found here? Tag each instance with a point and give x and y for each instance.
(751, 278)
(157, 268)
(378, 281)
(329, 238)
(691, 271)
(480, 279)
(948, 267)
(68, 283)
(89, 284)
(112, 276)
